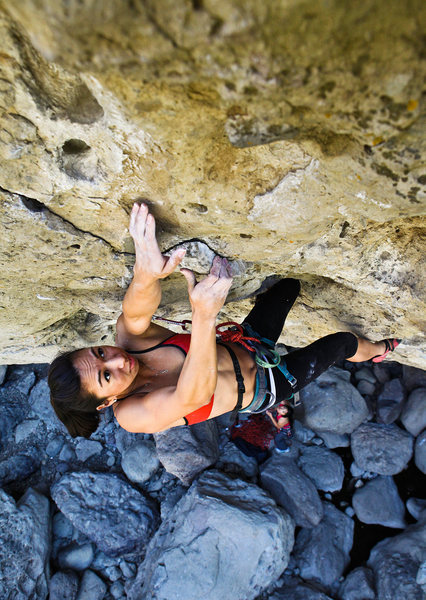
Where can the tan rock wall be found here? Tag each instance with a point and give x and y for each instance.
(285, 135)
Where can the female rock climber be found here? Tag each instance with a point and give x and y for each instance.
(281, 422)
(155, 379)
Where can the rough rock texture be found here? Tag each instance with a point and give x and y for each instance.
(297, 589)
(322, 553)
(414, 414)
(390, 402)
(323, 467)
(14, 403)
(290, 488)
(332, 404)
(108, 510)
(378, 502)
(63, 586)
(218, 523)
(396, 579)
(140, 461)
(396, 560)
(269, 150)
(358, 584)
(92, 587)
(186, 451)
(25, 544)
(383, 449)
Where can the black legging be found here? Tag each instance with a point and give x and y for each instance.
(267, 318)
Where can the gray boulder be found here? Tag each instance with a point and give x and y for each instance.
(378, 502)
(25, 546)
(390, 401)
(366, 374)
(18, 467)
(187, 451)
(413, 377)
(224, 539)
(85, 449)
(115, 516)
(323, 467)
(301, 433)
(334, 440)
(322, 553)
(416, 506)
(396, 561)
(421, 575)
(76, 557)
(396, 579)
(42, 409)
(358, 584)
(297, 589)
(414, 414)
(366, 388)
(140, 461)
(331, 403)
(63, 586)
(232, 460)
(92, 587)
(420, 452)
(292, 490)
(26, 429)
(382, 449)
(14, 402)
(412, 541)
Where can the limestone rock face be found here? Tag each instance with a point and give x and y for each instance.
(286, 136)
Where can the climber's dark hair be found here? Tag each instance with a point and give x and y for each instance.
(75, 407)
(290, 411)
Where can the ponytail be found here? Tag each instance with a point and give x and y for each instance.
(75, 407)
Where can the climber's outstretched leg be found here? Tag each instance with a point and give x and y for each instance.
(306, 364)
(270, 311)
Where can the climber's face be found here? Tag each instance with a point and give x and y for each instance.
(106, 371)
(282, 410)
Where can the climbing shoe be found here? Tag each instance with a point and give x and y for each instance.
(390, 345)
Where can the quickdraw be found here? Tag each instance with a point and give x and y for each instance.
(182, 324)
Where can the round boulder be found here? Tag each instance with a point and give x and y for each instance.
(108, 510)
(414, 414)
(323, 467)
(331, 403)
(382, 449)
(224, 539)
(378, 502)
(140, 461)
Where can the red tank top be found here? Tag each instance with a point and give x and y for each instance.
(182, 341)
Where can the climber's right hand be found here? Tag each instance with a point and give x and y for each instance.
(208, 296)
(149, 260)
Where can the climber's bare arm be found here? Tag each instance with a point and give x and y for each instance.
(198, 377)
(144, 293)
(161, 409)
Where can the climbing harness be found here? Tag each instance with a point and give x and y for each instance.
(265, 357)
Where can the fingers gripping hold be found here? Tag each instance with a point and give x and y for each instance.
(148, 255)
(209, 295)
(216, 267)
(190, 278)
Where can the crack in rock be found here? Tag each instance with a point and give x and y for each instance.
(199, 257)
(35, 206)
